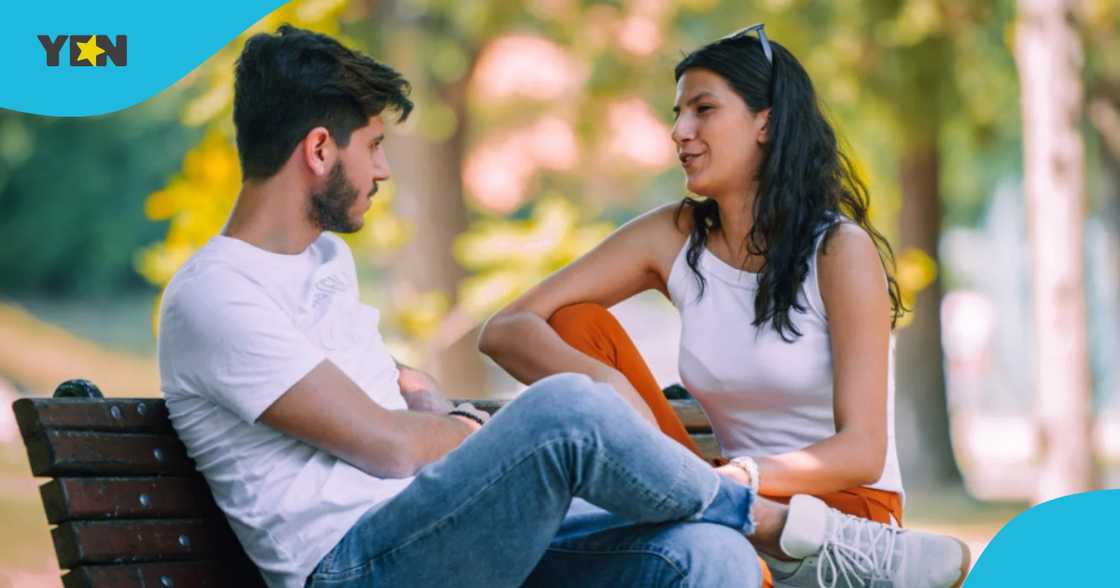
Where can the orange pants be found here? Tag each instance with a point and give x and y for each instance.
(593, 330)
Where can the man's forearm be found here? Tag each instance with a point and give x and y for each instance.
(422, 439)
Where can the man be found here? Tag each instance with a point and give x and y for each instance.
(335, 466)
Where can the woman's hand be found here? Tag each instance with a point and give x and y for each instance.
(735, 473)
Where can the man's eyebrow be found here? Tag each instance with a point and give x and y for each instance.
(704, 94)
(377, 139)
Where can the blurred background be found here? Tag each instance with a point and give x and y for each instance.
(988, 133)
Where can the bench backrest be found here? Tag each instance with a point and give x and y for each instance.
(128, 505)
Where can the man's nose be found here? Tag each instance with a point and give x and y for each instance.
(381, 170)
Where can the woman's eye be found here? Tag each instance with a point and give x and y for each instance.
(703, 108)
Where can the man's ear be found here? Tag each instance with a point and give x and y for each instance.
(319, 151)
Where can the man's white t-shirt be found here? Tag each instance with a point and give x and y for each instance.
(238, 327)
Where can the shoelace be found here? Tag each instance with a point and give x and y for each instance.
(866, 551)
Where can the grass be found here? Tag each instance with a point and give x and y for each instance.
(953, 511)
(26, 551)
(38, 355)
(122, 323)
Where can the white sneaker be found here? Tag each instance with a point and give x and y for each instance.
(841, 550)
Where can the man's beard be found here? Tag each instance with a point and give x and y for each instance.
(330, 207)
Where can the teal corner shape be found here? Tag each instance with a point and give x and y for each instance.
(1070, 541)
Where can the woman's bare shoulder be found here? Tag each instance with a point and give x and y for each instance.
(668, 220)
(849, 263)
(659, 234)
(670, 224)
(847, 242)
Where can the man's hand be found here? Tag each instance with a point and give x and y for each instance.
(384, 443)
(421, 392)
(474, 426)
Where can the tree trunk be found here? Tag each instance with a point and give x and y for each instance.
(922, 415)
(1048, 53)
(1104, 113)
(430, 197)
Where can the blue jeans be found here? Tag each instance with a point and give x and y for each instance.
(566, 486)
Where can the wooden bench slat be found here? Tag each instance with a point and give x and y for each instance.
(693, 417)
(149, 415)
(202, 573)
(689, 411)
(101, 542)
(490, 406)
(54, 453)
(67, 499)
(708, 445)
(116, 415)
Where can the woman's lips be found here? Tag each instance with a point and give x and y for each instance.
(689, 159)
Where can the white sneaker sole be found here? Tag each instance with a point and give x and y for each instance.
(966, 562)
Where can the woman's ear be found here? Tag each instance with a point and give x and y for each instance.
(318, 151)
(762, 121)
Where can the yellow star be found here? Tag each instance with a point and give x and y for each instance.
(89, 50)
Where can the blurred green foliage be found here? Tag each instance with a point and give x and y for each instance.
(73, 190)
(72, 193)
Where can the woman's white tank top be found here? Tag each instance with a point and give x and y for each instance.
(763, 396)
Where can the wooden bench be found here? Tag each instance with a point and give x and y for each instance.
(128, 506)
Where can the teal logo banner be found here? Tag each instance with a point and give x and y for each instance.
(86, 50)
(69, 58)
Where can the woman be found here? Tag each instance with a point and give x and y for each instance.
(780, 280)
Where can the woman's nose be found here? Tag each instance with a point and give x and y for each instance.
(679, 134)
(684, 130)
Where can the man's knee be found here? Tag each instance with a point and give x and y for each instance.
(562, 394)
(714, 555)
(568, 399)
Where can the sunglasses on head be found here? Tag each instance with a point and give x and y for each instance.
(756, 28)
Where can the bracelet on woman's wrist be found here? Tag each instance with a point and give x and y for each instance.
(750, 466)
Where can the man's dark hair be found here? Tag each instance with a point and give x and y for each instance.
(295, 80)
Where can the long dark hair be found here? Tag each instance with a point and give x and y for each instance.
(805, 183)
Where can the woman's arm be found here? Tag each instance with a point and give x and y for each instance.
(633, 259)
(854, 290)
